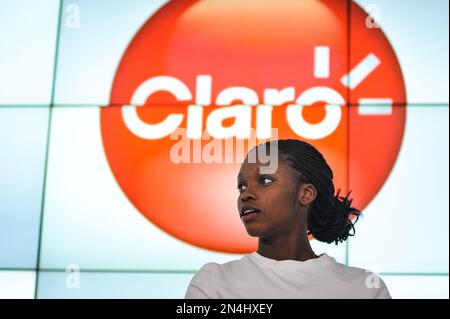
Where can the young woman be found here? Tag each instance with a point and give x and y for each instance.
(282, 208)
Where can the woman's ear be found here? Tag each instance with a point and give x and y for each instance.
(307, 193)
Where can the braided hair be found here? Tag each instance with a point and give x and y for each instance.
(328, 215)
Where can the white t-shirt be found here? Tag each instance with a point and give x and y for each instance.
(256, 277)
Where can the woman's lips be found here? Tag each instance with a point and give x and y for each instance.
(250, 216)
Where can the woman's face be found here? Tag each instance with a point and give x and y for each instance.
(273, 196)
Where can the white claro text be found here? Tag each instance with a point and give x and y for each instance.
(242, 114)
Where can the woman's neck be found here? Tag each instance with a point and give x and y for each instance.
(285, 248)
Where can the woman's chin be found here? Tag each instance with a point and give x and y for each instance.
(254, 231)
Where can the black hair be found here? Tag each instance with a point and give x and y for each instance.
(329, 214)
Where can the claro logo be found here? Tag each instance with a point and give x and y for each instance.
(203, 81)
(241, 113)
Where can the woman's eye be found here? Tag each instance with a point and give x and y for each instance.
(266, 180)
(241, 188)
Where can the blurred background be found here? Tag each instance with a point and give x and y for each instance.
(69, 230)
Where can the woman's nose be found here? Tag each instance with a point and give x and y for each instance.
(247, 195)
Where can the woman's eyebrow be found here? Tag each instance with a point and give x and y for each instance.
(266, 174)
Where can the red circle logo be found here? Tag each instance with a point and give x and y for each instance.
(203, 80)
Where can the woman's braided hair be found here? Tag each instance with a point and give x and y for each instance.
(329, 214)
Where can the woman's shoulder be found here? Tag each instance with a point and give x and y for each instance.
(227, 267)
(208, 268)
(206, 280)
(349, 272)
(366, 280)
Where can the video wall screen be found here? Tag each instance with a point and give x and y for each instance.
(121, 136)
